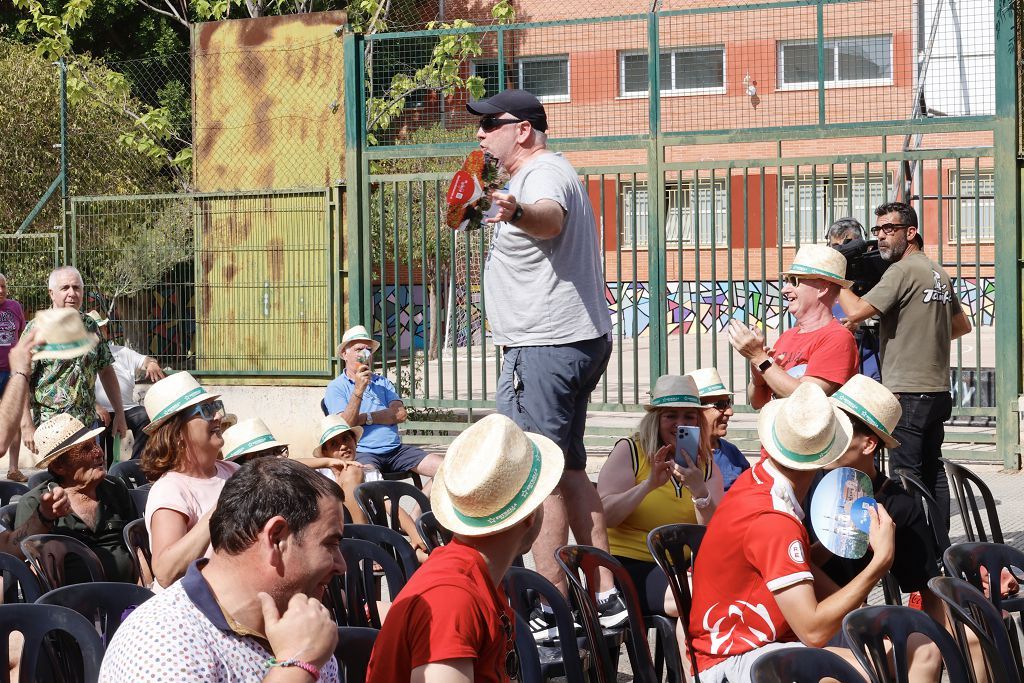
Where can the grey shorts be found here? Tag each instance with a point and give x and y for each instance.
(737, 669)
(546, 390)
(402, 458)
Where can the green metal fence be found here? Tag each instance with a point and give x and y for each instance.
(26, 261)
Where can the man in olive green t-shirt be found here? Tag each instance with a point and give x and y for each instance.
(920, 316)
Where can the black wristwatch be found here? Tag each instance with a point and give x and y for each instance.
(517, 214)
(764, 365)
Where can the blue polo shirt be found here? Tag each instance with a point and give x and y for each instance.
(730, 461)
(376, 439)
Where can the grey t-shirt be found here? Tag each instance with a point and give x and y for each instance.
(917, 303)
(543, 292)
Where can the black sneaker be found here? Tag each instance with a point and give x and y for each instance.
(612, 611)
(542, 625)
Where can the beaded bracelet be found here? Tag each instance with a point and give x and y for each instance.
(298, 663)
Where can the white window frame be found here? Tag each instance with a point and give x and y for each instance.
(519, 61)
(818, 203)
(679, 223)
(968, 232)
(713, 90)
(835, 83)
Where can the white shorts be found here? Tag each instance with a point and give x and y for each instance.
(737, 669)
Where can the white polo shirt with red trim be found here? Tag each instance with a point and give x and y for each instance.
(755, 545)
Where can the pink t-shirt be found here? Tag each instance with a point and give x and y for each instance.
(191, 496)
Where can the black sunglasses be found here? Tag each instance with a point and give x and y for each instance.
(722, 404)
(511, 656)
(491, 123)
(888, 228)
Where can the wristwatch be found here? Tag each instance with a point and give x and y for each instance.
(369, 418)
(764, 365)
(517, 214)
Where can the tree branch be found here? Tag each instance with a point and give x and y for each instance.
(172, 15)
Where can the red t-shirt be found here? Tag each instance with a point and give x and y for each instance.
(828, 353)
(755, 544)
(448, 610)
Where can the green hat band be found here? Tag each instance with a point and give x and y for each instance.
(67, 346)
(713, 387)
(249, 444)
(800, 268)
(517, 500)
(332, 432)
(861, 412)
(800, 457)
(676, 398)
(178, 403)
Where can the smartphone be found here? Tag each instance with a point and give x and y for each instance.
(687, 444)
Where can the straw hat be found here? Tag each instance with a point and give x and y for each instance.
(493, 476)
(804, 431)
(709, 382)
(229, 420)
(357, 333)
(101, 320)
(820, 262)
(674, 391)
(65, 335)
(170, 396)
(58, 435)
(330, 427)
(872, 404)
(248, 436)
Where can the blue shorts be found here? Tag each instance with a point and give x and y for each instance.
(402, 458)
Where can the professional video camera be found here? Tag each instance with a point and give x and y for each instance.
(864, 264)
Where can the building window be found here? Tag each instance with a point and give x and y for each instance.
(810, 205)
(973, 213)
(545, 77)
(864, 60)
(487, 69)
(696, 70)
(681, 222)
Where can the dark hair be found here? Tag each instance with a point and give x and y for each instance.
(907, 217)
(861, 428)
(843, 227)
(264, 488)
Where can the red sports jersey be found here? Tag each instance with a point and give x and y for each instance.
(828, 353)
(754, 545)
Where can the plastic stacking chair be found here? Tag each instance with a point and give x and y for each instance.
(38, 478)
(580, 562)
(136, 539)
(104, 604)
(392, 541)
(140, 496)
(967, 607)
(372, 496)
(965, 560)
(20, 584)
(360, 582)
(7, 515)
(529, 659)
(916, 488)
(355, 643)
(49, 553)
(11, 489)
(674, 547)
(431, 531)
(868, 628)
(802, 665)
(559, 659)
(967, 486)
(67, 630)
(130, 472)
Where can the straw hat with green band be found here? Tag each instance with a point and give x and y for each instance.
(493, 476)
(58, 435)
(674, 391)
(804, 431)
(709, 383)
(820, 262)
(170, 396)
(872, 404)
(330, 427)
(248, 436)
(65, 335)
(357, 333)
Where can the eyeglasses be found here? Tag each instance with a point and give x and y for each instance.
(722, 405)
(792, 280)
(208, 411)
(888, 228)
(511, 656)
(491, 123)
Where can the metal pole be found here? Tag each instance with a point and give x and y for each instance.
(64, 199)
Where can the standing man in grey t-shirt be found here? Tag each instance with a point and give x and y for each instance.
(920, 316)
(546, 307)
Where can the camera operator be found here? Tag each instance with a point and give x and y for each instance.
(920, 316)
(864, 267)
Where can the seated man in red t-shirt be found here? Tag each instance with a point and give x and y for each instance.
(754, 589)
(818, 348)
(452, 620)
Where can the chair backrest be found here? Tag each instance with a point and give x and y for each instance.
(936, 522)
(7, 515)
(35, 622)
(49, 553)
(9, 489)
(372, 498)
(355, 643)
(802, 665)
(582, 563)
(104, 604)
(868, 628)
(20, 584)
(433, 534)
(966, 487)
(130, 472)
(674, 547)
(38, 478)
(140, 496)
(966, 606)
(965, 560)
(323, 407)
(392, 541)
(518, 583)
(136, 539)
(360, 582)
(529, 658)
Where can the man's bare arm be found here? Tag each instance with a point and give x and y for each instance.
(15, 400)
(855, 308)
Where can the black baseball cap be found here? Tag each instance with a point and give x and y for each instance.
(519, 103)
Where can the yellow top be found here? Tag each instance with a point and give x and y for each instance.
(670, 503)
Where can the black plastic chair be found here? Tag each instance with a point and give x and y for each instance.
(674, 547)
(868, 628)
(40, 477)
(966, 487)
(20, 584)
(966, 606)
(581, 563)
(49, 553)
(553, 661)
(395, 543)
(916, 488)
(10, 489)
(104, 604)
(323, 407)
(965, 560)
(433, 534)
(355, 643)
(360, 583)
(372, 496)
(46, 625)
(8, 514)
(130, 472)
(140, 496)
(136, 539)
(529, 659)
(802, 665)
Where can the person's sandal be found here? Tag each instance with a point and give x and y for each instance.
(16, 475)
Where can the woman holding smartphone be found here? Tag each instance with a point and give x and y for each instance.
(647, 482)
